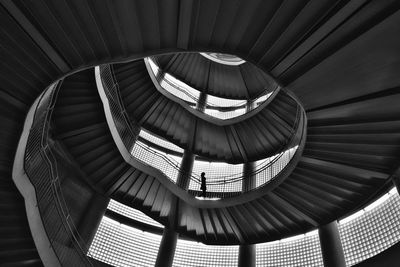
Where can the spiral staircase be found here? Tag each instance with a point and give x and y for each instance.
(339, 60)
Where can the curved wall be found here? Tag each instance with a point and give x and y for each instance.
(120, 245)
(304, 250)
(376, 229)
(193, 254)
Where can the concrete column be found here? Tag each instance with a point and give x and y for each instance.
(183, 179)
(331, 246)
(247, 253)
(89, 224)
(201, 103)
(247, 256)
(248, 182)
(166, 251)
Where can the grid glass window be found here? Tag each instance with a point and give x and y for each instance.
(193, 254)
(132, 213)
(277, 164)
(122, 246)
(373, 231)
(170, 84)
(224, 102)
(304, 250)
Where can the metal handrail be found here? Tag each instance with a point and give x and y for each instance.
(242, 104)
(129, 134)
(42, 169)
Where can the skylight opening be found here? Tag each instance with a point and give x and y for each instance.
(278, 161)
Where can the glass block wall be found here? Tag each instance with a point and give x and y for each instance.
(374, 231)
(363, 235)
(304, 250)
(193, 254)
(120, 245)
(132, 213)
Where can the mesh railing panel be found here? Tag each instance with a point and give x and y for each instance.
(223, 115)
(43, 171)
(132, 213)
(160, 142)
(127, 130)
(167, 164)
(279, 162)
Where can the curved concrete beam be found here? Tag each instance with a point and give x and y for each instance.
(25, 187)
(203, 115)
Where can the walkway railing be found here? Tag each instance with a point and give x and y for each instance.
(222, 186)
(226, 59)
(127, 130)
(43, 171)
(220, 108)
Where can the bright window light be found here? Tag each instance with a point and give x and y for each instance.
(352, 217)
(393, 191)
(292, 238)
(377, 202)
(311, 233)
(206, 198)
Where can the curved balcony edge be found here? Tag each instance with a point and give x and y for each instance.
(202, 115)
(299, 138)
(230, 61)
(28, 191)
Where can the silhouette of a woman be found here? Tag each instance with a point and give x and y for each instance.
(203, 186)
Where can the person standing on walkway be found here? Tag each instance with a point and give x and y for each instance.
(203, 186)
